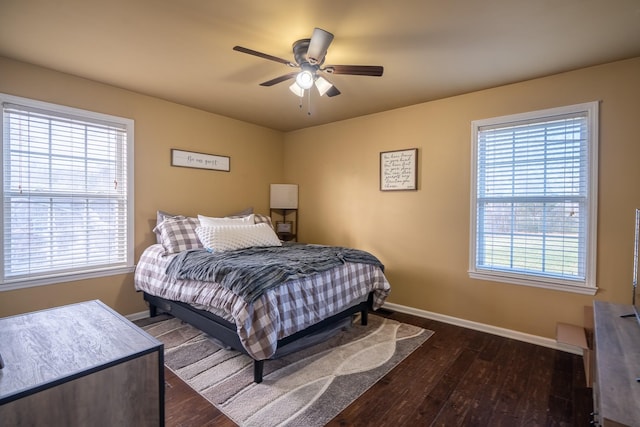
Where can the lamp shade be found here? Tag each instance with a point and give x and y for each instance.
(284, 196)
(323, 85)
(296, 89)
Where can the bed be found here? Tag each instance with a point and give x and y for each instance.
(264, 310)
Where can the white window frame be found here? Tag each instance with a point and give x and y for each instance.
(40, 279)
(588, 284)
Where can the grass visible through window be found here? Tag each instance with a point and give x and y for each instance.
(525, 253)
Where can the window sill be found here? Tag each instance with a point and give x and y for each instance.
(53, 280)
(584, 290)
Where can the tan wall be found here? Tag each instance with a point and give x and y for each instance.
(422, 237)
(256, 160)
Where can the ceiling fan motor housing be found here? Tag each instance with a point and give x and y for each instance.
(300, 49)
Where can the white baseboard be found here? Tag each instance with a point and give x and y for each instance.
(507, 333)
(137, 316)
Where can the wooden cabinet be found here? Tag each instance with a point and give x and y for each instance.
(79, 365)
(616, 389)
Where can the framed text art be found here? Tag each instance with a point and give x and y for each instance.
(399, 170)
(190, 159)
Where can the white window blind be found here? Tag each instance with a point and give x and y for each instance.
(66, 197)
(534, 204)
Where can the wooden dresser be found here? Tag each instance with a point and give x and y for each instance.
(79, 365)
(617, 365)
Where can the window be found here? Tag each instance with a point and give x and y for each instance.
(534, 181)
(67, 187)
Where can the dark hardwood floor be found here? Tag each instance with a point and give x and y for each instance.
(459, 377)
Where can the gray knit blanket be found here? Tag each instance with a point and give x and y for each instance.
(250, 272)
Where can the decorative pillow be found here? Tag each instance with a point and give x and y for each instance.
(231, 237)
(177, 234)
(207, 221)
(245, 212)
(161, 216)
(263, 219)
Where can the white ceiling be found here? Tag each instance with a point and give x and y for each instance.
(181, 50)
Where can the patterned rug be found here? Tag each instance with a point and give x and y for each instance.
(305, 388)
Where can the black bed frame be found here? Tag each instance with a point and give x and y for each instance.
(225, 331)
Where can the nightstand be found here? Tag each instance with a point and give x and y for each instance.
(285, 222)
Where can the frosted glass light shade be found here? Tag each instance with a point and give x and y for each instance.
(284, 196)
(296, 89)
(304, 79)
(323, 85)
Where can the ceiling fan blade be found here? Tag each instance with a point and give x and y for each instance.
(356, 70)
(332, 92)
(263, 55)
(320, 41)
(279, 79)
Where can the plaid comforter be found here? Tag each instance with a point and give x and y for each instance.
(279, 312)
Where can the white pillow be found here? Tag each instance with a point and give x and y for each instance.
(230, 237)
(208, 221)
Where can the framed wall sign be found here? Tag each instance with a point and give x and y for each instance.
(190, 159)
(399, 170)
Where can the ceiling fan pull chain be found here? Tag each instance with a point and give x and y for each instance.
(309, 103)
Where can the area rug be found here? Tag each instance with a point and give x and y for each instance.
(305, 388)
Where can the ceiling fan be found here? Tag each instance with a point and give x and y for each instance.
(309, 56)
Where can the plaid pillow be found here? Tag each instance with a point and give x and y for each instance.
(246, 212)
(161, 216)
(209, 221)
(259, 219)
(178, 234)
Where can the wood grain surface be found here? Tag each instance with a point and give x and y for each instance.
(77, 365)
(617, 348)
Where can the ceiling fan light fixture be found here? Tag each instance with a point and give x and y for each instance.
(296, 89)
(304, 79)
(323, 85)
